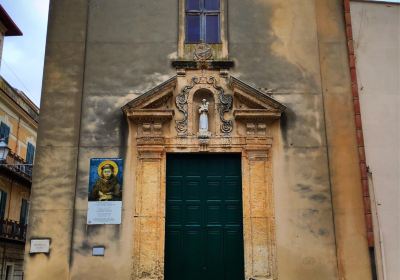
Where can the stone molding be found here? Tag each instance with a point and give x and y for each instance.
(149, 115)
(256, 115)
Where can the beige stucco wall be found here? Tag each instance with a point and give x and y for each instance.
(376, 29)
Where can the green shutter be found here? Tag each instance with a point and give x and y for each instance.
(4, 132)
(30, 153)
(3, 203)
(24, 212)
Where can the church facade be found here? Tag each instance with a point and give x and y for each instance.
(228, 127)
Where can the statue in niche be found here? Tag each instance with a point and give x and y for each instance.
(203, 121)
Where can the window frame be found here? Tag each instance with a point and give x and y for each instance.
(7, 127)
(9, 264)
(24, 212)
(186, 50)
(3, 204)
(31, 159)
(202, 13)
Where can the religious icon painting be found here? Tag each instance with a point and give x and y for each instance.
(105, 191)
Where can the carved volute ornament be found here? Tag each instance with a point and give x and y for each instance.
(224, 106)
(182, 105)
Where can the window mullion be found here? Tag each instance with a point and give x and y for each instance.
(203, 27)
(202, 22)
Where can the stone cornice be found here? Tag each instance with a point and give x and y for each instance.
(147, 115)
(208, 64)
(256, 114)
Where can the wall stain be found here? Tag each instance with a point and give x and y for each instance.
(318, 197)
(303, 188)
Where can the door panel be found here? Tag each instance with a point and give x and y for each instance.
(204, 224)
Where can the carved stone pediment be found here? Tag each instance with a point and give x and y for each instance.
(154, 98)
(171, 109)
(253, 103)
(150, 111)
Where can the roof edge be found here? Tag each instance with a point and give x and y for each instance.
(20, 99)
(12, 28)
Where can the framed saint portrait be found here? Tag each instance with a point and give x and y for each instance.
(105, 191)
(105, 179)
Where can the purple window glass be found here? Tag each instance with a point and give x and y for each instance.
(202, 21)
(193, 5)
(212, 29)
(211, 5)
(193, 28)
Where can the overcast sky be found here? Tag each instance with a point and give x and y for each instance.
(22, 61)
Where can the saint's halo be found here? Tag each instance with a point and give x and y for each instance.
(110, 162)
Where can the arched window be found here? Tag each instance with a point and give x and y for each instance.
(203, 21)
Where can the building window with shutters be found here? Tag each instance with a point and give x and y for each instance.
(8, 271)
(3, 203)
(30, 153)
(23, 217)
(4, 132)
(203, 21)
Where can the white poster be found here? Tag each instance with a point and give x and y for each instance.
(104, 212)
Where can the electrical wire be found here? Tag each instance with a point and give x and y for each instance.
(16, 76)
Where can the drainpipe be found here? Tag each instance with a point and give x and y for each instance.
(17, 136)
(379, 258)
(4, 260)
(9, 204)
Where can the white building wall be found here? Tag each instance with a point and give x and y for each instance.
(376, 31)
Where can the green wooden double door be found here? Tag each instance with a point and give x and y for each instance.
(204, 224)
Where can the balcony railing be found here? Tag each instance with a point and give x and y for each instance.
(12, 230)
(18, 166)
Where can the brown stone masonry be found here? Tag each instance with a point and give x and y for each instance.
(358, 122)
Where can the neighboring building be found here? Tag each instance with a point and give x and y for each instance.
(238, 138)
(376, 36)
(7, 28)
(18, 126)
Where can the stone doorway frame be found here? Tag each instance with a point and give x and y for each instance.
(152, 135)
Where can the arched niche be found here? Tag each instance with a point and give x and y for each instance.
(198, 96)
